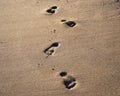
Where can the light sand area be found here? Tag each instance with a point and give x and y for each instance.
(40, 55)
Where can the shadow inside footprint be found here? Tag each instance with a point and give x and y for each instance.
(55, 44)
(51, 49)
(51, 10)
(70, 83)
(54, 7)
(70, 23)
(63, 20)
(62, 74)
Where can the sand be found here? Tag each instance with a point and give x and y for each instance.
(40, 55)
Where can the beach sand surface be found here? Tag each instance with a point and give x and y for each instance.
(41, 55)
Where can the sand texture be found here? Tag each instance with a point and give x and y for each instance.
(59, 48)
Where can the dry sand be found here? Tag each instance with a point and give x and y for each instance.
(35, 47)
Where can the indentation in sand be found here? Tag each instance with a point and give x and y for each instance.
(52, 48)
(69, 81)
(51, 10)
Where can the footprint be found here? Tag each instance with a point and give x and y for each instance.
(62, 74)
(68, 80)
(51, 49)
(69, 23)
(51, 10)
(54, 7)
(63, 20)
